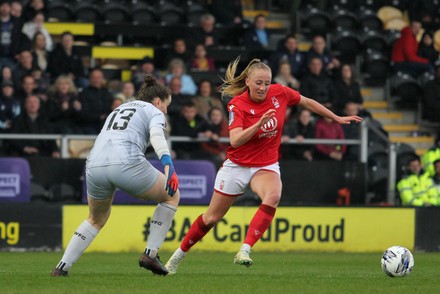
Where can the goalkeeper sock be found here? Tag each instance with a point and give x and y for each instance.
(259, 224)
(83, 236)
(197, 231)
(159, 226)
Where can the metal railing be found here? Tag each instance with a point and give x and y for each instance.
(64, 141)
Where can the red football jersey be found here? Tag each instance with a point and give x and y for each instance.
(262, 148)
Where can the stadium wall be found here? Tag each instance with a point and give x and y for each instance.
(45, 227)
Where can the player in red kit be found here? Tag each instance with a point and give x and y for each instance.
(256, 119)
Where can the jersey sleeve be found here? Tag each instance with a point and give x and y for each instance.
(293, 97)
(158, 120)
(235, 116)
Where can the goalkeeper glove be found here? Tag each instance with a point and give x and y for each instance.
(172, 182)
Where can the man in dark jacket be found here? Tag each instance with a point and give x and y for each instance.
(65, 59)
(96, 102)
(317, 84)
(431, 97)
(31, 122)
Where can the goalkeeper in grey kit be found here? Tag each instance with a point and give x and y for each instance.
(117, 160)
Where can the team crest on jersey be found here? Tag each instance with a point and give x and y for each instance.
(231, 114)
(275, 102)
(252, 111)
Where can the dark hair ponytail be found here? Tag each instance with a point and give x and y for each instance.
(152, 89)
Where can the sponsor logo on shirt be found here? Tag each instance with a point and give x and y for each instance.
(269, 128)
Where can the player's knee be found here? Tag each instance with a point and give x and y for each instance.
(272, 199)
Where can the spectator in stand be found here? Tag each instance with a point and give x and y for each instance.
(347, 89)
(431, 156)
(27, 87)
(201, 61)
(426, 48)
(227, 13)
(179, 51)
(9, 107)
(6, 74)
(404, 52)
(319, 49)
(436, 177)
(206, 34)
(317, 84)
(178, 98)
(65, 60)
(189, 124)
(40, 55)
(25, 66)
(351, 131)
(328, 129)
(33, 7)
(12, 41)
(31, 122)
(431, 97)
(96, 102)
(417, 188)
(301, 128)
(206, 99)
(128, 92)
(16, 9)
(146, 66)
(117, 101)
(30, 28)
(63, 106)
(290, 52)
(217, 128)
(177, 68)
(257, 37)
(284, 75)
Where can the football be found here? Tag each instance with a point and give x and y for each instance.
(397, 261)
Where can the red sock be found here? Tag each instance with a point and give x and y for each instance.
(259, 224)
(197, 231)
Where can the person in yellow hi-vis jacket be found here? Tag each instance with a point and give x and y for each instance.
(430, 156)
(417, 188)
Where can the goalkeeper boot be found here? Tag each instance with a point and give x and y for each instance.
(152, 264)
(242, 257)
(174, 261)
(56, 272)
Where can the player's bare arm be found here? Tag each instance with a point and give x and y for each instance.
(238, 136)
(317, 108)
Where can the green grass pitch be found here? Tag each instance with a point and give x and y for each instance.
(214, 272)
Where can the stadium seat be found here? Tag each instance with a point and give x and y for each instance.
(369, 21)
(374, 40)
(80, 148)
(87, 12)
(377, 167)
(314, 21)
(346, 45)
(376, 65)
(344, 19)
(343, 4)
(59, 11)
(395, 24)
(387, 13)
(115, 13)
(143, 14)
(194, 12)
(404, 86)
(436, 37)
(170, 14)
